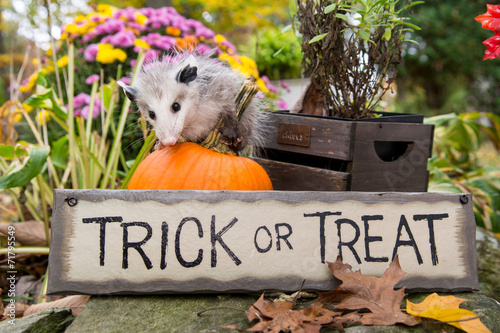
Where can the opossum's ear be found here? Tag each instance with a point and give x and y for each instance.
(128, 90)
(189, 73)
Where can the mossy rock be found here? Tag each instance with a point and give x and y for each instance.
(178, 313)
(170, 313)
(53, 320)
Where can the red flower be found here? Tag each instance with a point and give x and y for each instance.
(493, 47)
(491, 20)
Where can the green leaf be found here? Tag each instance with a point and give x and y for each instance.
(342, 16)
(42, 80)
(414, 3)
(30, 169)
(330, 8)
(413, 26)
(7, 152)
(45, 99)
(286, 29)
(59, 153)
(107, 93)
(58, 110)
(318, 38)
(387, 34)
(293, 8)
(279, 51)
(364, 34)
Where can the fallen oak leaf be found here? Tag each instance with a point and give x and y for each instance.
(358, 292)
(29, 233)
(278, 316)
(267, 309)
(446, 309)
(76, 303)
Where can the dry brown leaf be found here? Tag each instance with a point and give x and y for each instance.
(358, 292)
(29, 233)
(278, 316)
(19, 309)
(75, 303)
(365, 299)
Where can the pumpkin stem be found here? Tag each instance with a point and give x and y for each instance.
(247, 92)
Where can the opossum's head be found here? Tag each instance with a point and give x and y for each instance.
(167, 94)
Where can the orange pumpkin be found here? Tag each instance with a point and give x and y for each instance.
(189, 166)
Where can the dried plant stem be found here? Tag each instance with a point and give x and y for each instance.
(242, 100)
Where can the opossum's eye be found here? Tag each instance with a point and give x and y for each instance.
(176, 107)
(152, 115)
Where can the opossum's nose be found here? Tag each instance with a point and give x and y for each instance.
(169, 141)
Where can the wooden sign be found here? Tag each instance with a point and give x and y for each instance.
(136, 242)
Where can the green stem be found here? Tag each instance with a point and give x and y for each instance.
(71, 118)
(43, 291)
(83, 143)
(44, 209)
(88, 128)
(114, 154)
(30, 205)
(18, 205)
(146, 148)
(35, 250)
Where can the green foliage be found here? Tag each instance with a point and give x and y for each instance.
(353, 48)
(31, 168)
(465, 160)
(449, 58)
(278, 54)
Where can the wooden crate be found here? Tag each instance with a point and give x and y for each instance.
(306, 152)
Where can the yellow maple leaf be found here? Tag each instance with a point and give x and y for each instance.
(446, 309)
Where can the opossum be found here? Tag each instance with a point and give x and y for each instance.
(186, 98)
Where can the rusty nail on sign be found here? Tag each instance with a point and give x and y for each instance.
(72, 201)
(463, 199)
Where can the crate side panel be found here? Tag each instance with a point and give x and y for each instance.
(292, 177)
(375, 169)
(328, 137)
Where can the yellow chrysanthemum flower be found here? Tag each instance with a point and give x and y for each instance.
(71, 28)
(43, 116)
(27, 108)
(262, 86)
(106, 10)
(95, 18)
(30, 85)
(141, 43)
(63, 62)
(49, 69)
(80, 18)
(141, 19)
(219, 39)
(107, 54)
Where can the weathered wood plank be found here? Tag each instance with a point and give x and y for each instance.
(294, 177)
(328, 137)
(139, 242)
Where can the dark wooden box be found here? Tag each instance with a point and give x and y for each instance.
(311, 153)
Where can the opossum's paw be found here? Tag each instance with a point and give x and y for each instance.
(158, 145)
(230, 137)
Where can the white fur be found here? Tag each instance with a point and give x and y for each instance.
(203, 101)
